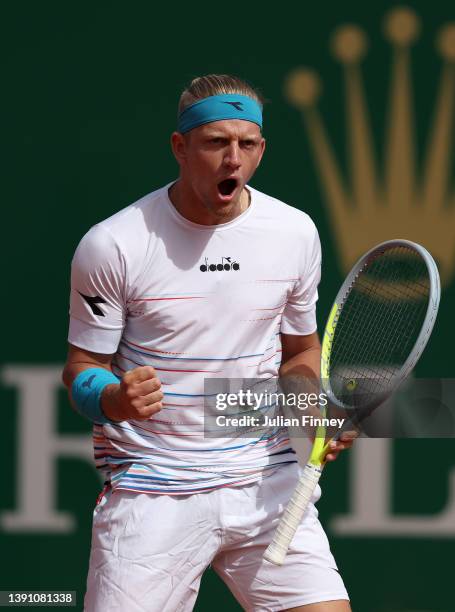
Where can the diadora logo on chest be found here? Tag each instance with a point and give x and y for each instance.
(226, 264)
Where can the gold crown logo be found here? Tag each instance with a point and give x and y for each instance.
(397, 204)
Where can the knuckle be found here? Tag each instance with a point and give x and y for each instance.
(142, 412)
(130, 393)
(136, 403)
(155, 408)
(135, 374)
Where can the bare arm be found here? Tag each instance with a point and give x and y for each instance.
(299, 371)
(79, 360)
(301, 356)
(138, 395)
(301, 360)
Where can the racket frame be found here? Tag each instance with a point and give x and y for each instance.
(292, 516)
(427, 325)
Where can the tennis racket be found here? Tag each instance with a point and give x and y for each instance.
(378, 326)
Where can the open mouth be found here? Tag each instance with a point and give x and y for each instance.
(227, 186)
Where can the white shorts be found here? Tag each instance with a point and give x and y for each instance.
(150, 551)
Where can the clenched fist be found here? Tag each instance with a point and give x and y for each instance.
(137, 397)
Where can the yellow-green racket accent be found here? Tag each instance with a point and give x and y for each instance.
(320, 447)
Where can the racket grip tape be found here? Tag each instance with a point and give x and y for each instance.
(293, 514)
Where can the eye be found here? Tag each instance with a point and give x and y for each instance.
(248, 143)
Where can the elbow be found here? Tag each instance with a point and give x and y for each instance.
(66, 377)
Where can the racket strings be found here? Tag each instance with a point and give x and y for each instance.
(383, 317)
(383, 314)
(379, 322)
(406, 331)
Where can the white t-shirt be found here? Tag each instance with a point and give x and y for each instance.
(195, 302)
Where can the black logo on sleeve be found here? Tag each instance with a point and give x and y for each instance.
(220, 267)
(237, 105)
(92, 302)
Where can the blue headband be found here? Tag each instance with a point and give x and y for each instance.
(217, 108)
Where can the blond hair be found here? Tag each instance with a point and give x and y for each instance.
(216, 84)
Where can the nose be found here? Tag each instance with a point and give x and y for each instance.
(232, 155)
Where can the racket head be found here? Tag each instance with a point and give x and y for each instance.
(405, 290)
(379, 325)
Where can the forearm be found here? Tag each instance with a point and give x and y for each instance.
(109, 396)
(79, 361)
(305, 364)
(299, 373)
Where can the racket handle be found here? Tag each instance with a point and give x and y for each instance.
(292, 516)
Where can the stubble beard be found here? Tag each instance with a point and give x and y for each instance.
(227, 211)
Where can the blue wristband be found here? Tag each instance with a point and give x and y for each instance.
(86, 391)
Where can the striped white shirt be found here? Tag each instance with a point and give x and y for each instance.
(196, 302)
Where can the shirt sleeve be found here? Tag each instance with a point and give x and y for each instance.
(97, 302)
(299, 316)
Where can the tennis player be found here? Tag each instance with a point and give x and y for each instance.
(204, 278)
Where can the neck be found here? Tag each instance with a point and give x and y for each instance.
(186, 202)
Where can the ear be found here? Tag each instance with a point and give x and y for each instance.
(178, 145)
(261, 151)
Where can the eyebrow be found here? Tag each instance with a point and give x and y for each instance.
(215, 134)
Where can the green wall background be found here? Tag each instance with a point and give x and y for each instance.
(89, 101)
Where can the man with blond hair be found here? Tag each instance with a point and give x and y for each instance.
(205, 278)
